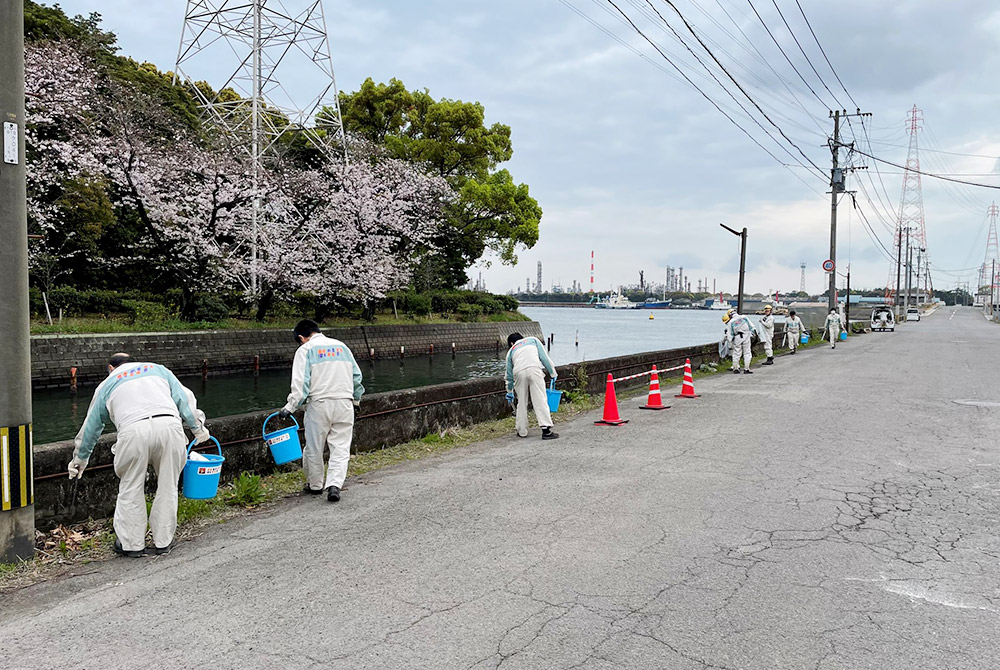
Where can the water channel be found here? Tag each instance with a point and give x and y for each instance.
(600, 334)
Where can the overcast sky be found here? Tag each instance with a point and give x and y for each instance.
(629, 160)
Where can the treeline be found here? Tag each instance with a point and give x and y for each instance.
(128, 188)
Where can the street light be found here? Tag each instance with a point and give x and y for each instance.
(743, 261)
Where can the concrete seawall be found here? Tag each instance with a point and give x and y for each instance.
(186, 352)
(385, 420)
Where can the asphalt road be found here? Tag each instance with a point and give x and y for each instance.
(836, 510)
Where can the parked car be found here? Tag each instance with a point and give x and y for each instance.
(883, 319)
(913, 314)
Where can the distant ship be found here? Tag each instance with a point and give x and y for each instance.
(653, 303)
(615, 301)
(719, 303)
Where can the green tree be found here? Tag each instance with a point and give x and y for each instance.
(450, 138)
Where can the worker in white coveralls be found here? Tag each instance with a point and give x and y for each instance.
(525, 376)
(793, 330)
(738, 332)
(146, 404)
(327, 378)
(767, 334)
(833, 327)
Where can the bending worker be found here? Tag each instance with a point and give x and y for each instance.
(326, 377)
(793, 330)
(833, 327)
(767, 334)
(524, 377)
(146, 404)
(738, 333)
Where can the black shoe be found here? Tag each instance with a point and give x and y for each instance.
(748, 371)
(736, 371)
(128, 554)
(769, 361)
(547, 434)
(834, 346)
(160, 551)
(793, 352)
(312, 491)
(333, 494)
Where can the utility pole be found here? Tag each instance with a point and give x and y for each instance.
(899, 267)
(836, 186)
(17, 496)
(743, 262)
(847, 302)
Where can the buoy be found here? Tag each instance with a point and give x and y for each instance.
(650, 316)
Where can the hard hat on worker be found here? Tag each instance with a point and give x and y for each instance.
(767, 308)
(728, 315)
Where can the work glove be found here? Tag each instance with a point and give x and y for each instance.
(76, 468)
(284, 414)
(202, 435)
(510, 397)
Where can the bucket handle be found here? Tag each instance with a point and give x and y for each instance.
(263, 429)
(552, 384)
(212, 438)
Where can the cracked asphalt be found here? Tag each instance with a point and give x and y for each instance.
(836, 510)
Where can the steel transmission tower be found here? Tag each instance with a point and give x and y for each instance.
(260, 46)
(802, 277)
(911, 216)
(989, 270)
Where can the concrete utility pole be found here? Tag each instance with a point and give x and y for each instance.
(909, 268)
(743, 262)
(836, 186)
(17, 498)
(899, 268)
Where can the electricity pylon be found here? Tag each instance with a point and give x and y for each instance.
(911, 216)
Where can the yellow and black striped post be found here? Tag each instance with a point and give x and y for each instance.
(17, 487)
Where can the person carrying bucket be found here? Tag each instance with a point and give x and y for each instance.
(525, 375)
(793, 330)
(146, 403)
(833, 324)
(326, 377)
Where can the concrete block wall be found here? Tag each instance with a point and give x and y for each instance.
(52, 356)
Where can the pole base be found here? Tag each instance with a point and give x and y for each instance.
(602, 422)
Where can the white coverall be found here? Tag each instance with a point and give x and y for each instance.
(525, 377)
(833, 328)
(767, 334)
(146, 403)
(793, 331)
(738, 332)
(326, 377)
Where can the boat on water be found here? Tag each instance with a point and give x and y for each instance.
(615, 301)
(653, 303)
(719, 303)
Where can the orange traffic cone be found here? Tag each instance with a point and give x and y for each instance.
(654, 401)
(687, 388)
(610, 406)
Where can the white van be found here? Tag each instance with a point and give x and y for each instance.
(913, 314)
(883, 319)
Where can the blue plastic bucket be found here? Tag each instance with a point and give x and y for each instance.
(201, 478)
(284, 444)
(804, 339)
(843, 335)
(554, 398)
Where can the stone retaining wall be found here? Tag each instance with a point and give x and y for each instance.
(185, 353)
(385, 420)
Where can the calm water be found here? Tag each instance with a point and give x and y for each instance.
(602, 333)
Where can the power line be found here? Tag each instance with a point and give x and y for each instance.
(823, 51)
(920, 172)
(804, 54)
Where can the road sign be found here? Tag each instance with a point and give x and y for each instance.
(828, 265)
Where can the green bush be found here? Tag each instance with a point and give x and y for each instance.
(445, 302)
(469, 313)
(143, 311)
(210, 307)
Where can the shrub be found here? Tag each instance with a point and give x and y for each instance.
(415, 303)
(469, 313)
(445, 302)
(209, 307)
(143, 311)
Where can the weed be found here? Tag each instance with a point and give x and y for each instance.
(189, 510)
(246, 490)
